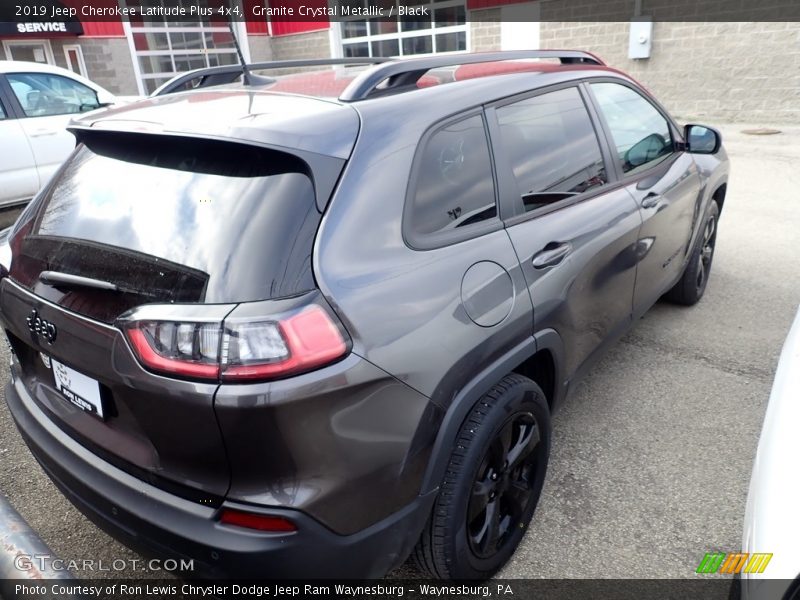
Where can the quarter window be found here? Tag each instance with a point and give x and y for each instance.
(552, 147)
(2, 113)
(640, 133)
(455, 187)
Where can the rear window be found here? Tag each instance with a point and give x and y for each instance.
(174, 219)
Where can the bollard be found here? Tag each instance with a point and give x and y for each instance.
(18, 542)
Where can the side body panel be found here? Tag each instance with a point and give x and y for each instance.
(587, 297)
(50, 141)
(670, 200)
(19, 179)
(673, 198)
(48, 138)
(402, 306)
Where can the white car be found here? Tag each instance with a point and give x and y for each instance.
(772, 516)
(37, 102)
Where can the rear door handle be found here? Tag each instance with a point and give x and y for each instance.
(43, 132)
(551, 255)
(652, 199)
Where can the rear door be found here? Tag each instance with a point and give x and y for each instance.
(19, 179)
(48, 102)
(574, 233)
(663, 180)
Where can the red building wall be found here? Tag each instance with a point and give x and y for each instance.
(103, 29)
(98, 28)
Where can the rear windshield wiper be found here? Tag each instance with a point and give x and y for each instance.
(57, 279)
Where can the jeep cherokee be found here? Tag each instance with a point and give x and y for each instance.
(288, 334)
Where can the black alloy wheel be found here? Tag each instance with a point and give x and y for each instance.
(503, 485)
(491, 484)
(694, 280)
(706, 252)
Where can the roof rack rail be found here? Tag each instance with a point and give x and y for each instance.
(224, 74)
(406, 72)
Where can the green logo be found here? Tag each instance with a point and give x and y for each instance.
(734, 562)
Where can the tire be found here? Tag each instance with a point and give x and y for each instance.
(483, 508)
(692, 284)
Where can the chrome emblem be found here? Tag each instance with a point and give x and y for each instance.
(39, 326)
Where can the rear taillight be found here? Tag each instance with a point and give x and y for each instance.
(188, 349)
(294, 342)
(298, 343)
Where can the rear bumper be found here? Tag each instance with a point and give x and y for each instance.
(164, 525)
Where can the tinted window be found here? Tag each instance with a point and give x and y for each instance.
(455, 188)
(176, 220)
(641, 134)
(42, 94)
(552, 146)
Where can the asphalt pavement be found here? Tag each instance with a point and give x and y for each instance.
(651, 456)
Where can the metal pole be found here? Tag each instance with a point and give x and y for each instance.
(19, 548)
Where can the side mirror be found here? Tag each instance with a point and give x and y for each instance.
(105, 99)
(701, 139)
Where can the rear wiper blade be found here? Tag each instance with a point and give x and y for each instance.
(58, 278)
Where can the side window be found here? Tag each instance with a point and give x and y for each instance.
(552, 146)
(455, 187)
(42, 94)
(2, 112)
(641, 133)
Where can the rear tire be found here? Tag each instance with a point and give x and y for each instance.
(491, 486)
(692, 284)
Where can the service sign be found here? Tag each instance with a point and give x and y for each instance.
(41, 28)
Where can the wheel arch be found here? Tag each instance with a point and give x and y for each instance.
(718, 195)
(539, 355)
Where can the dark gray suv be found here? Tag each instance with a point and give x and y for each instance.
(290, 335)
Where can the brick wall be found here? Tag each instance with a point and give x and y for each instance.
(260, 48)
(747, 71)
(315, 44)
(484, 30)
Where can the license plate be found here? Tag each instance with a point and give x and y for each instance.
(82, 391)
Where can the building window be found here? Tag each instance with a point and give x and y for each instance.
(165, 48)
(29, 50)
(444, 29)
(75, 62)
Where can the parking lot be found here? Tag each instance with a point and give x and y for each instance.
(652, 455)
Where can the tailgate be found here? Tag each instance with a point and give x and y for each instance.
(167, 436)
